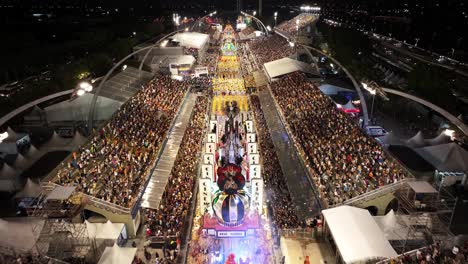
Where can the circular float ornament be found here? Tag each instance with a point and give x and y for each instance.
(230, 209)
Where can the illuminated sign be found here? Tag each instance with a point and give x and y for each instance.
(230, 234)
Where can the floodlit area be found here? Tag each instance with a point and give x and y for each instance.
(229, 141)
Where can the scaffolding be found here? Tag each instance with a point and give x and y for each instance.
(426, 212)
(63, 236)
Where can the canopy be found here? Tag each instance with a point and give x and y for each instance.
(61, 193)
(117, 255)
(417, 141)
(191, 39)
(442, 138)
(329, 89)
(166, 60)
(30, 189)
(391, 227)
(106, 230)
(391, 139)
(445, 157)
(421, 187)
(349, 108)
(10, 229)
(284, 66)
(357, 235)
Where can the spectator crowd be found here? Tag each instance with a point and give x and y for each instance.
(284, 215)
(113, 165)
(170, 218)
(270, 48)
(297, 23)
(434, 254)
(344, 161)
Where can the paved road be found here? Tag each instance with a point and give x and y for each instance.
(296, 177)
(160, 176)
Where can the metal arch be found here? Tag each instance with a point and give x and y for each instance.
(351, 77)
(258, 21)
(453, 119)
(101, 84)
(152, 46)
(25, 107)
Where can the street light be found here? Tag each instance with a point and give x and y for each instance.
(254, 13)
(450, 133)
(275, 16)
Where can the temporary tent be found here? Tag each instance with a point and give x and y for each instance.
(30, 189)
(329, 89)
(61, 193)
(357, 235)
(278, 68)
(191, 39)
(117, 255)
(391, 139)
(350, 108)
(106, 230)
(445, 157)
(417, 141)
(10, 229)
(442, 138)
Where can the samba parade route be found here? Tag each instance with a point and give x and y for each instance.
(232, 223)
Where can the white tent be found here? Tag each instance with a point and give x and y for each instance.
(285, 66)
(117, 255)
(106, 230)
(30, 189)
(191, 39)
(417, 141)
(357, 235)
(442, 138)
(445, 157)
(391, 139)
(350, 108)
(10, 230)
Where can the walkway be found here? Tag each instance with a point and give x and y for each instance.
(302, 193)
(160, 176)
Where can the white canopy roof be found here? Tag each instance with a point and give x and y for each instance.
(445, 157)
(165, 60)
(106, 230)
(117, 255)
(284, 66)
(191, 39)
(18, 233)
(357, 235)
(61, 193)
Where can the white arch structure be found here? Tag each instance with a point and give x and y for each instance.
(453, 119)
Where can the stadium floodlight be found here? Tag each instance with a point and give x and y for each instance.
(450, 133)
(80, 92)
(3, 136)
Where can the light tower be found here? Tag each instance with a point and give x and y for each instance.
(260, 7)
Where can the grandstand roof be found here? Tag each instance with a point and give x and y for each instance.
(357, 235)
(191, 39)
(285, 66)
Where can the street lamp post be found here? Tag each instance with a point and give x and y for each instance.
(275, 16)
(372, 106)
